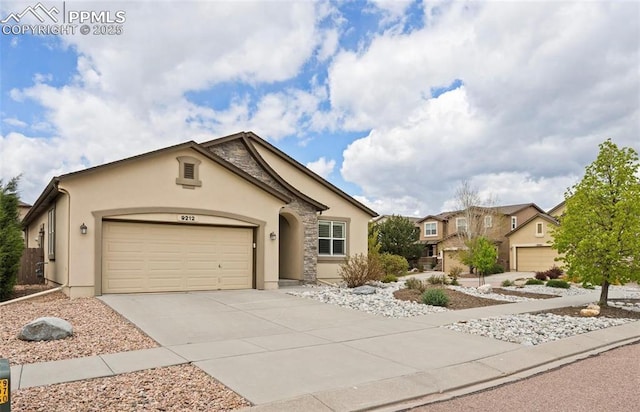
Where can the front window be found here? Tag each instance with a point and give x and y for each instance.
(488, 221)
(514, 222)
(539, 229)
(431, 229)
(461, 224)
(332, 238)
(51, 234)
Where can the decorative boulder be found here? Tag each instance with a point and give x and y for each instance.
(485, 289)
(364, 290)
(592, 310)
(47, 328)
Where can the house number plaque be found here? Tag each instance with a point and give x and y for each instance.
(186, 218)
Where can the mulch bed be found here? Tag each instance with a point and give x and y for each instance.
(459, 300)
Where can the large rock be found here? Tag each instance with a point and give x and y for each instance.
(47, 328)
(364, 290)
(485, 289)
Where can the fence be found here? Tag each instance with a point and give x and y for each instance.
(29, 267)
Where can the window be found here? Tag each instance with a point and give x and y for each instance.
(188, 173)
(332, 238)
(461, 224)
(539, 229)
(488, 221)
(51, 234)
(431, 229)
(514, 222)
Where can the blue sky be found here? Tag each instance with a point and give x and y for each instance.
(395, 102)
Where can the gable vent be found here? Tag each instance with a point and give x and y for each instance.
(189, 171)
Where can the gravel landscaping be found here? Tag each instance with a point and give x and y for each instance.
(174, 388)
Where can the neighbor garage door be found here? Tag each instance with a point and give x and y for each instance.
(534, 259)
(149, 257)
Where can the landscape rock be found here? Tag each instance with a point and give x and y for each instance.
(485, 289)
(364, 290)
(589, 313)
(46, 328)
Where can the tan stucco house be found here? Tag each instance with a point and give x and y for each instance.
(530, 243)
(440, 232)
(231, 213)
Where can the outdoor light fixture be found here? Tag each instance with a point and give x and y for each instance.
(272, 235)
(83, 229)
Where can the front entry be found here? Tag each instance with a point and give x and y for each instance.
(290, 246)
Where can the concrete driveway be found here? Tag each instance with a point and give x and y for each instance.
(272, 347)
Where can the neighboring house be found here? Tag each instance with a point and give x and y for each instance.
(23, 209)
(440, 232)
(232, 213)
(530, 243)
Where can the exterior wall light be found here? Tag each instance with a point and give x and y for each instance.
(83, 229)
(272, 235)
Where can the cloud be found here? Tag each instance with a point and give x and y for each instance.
(534, 104)
(322, 166)
(12, 121)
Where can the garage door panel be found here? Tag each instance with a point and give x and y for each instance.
(534, 259)
(141, 257)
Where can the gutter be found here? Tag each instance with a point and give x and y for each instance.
(35, 295)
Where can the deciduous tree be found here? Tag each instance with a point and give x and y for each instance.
(599, 232)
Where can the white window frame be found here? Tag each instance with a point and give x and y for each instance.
(514, 222)
(458, 225)
(539, 229)
(435, 231)
(51, 233)
(332, 238)
(488, 221)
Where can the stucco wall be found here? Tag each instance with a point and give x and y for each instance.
(526, 236)
(148, 185)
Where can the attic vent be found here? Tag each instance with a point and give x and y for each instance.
(188, 173)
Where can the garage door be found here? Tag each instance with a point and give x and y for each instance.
(148, 257)
(535, 259)
(451, 261)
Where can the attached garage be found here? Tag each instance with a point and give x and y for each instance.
(451, 261)
(534, 259)
(156, 257)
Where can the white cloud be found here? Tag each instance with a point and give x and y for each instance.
(12, 121)
(322, 166)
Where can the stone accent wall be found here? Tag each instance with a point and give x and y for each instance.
(235, 152)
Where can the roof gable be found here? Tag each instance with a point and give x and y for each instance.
(544, 216)
(251, 139)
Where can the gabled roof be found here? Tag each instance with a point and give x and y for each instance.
(532, 218)
(411, 218)
(505, 210)
(23, 204)
(51, 191)
(250, 139)
(556, 207)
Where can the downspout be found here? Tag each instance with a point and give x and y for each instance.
(66, 284)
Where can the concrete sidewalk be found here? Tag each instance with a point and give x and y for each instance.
(285, 353)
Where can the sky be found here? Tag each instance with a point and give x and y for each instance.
(394, 102)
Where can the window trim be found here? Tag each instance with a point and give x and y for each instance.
(435, 231)
(181, 179)
(51, 233)
(458, 226)
(514, 222)
(330, 257)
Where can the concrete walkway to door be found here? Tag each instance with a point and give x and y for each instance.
(285, 353)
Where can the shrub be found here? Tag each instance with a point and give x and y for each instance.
(507, 282)
(534, 282)
(415, 284)
(394, 264)
(541, 275)
(587, 285)
(455, 271)
(557, 283)
(435, 297)
(389, 279)
(360, 269)
(437, 280)
(496, 268)
(554, 273)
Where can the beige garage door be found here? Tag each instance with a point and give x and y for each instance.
(535, 259)
(451, 261)
(147, 257)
